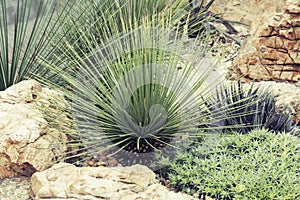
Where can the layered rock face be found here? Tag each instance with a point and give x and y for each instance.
(65, 181)
(28, 143)
(276, 55)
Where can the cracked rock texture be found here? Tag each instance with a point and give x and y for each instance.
(28, 143)
(65, 181)
(272, 51)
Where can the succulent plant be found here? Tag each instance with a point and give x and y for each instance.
(134, 93)
(242, 111)
(132, 90)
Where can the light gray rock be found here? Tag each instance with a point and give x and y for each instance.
(66, 181)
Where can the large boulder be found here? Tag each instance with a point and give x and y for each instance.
(66, 181)
(272, 51)
(28, 142)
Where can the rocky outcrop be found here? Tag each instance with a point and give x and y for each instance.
(28, 143)
(276, 55)
(65, 181)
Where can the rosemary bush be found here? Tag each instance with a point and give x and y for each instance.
(260, 165)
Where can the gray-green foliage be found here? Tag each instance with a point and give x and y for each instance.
(260, 165)
(132, 92)
(97, 21)
(131, 88)
(30, 36)
(135, 99)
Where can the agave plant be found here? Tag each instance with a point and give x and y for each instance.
(234, 109)
(134, 94)
(131, 87)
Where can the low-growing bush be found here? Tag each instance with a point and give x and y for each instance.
(259, 165)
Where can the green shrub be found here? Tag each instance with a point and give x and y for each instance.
(259, 165)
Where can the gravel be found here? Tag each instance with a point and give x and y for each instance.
(15, 188)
